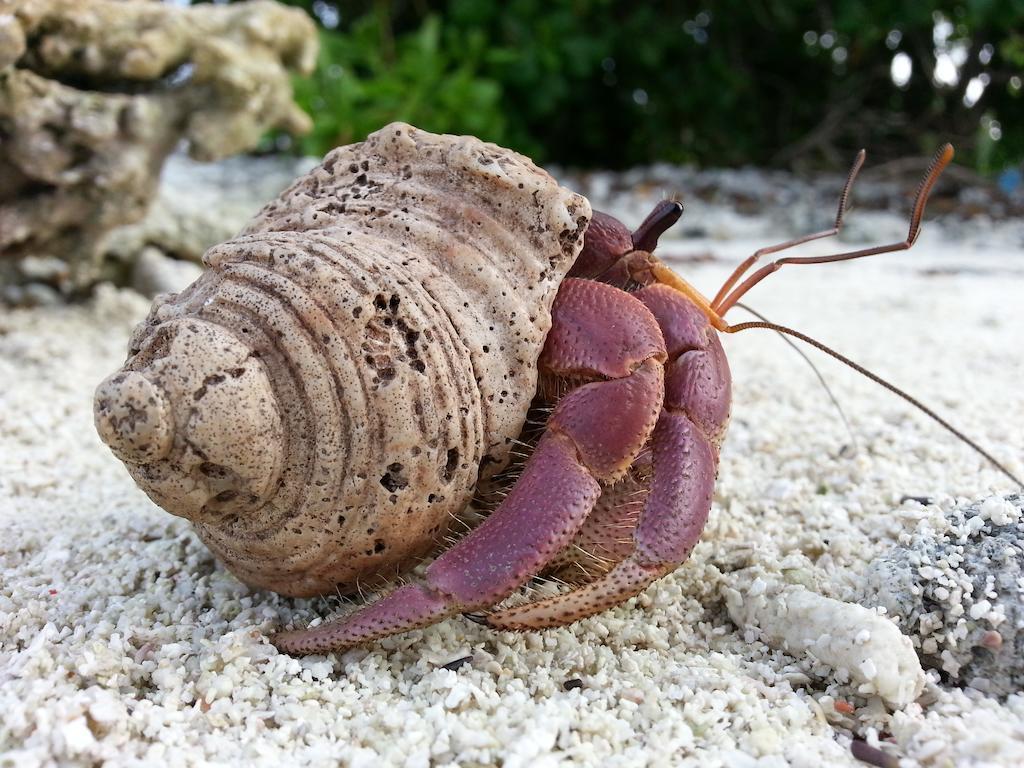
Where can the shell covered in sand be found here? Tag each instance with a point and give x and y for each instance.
(327, 395)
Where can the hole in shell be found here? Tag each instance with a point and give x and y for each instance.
(451, 464)
(393, 480)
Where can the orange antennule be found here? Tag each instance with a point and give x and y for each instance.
(725, 301)
(668, 277)
(844, 197)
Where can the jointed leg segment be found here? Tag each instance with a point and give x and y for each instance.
(672, 519)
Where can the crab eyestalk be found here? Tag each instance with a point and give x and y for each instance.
(609, 243)
(665, 214)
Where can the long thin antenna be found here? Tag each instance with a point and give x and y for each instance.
(878, 380)
(821, 379)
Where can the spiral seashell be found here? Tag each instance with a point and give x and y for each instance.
(327, 395)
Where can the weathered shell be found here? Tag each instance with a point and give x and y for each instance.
(325, 397)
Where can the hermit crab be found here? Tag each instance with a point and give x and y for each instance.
(358, 365)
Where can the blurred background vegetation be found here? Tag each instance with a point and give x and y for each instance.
(610, 84)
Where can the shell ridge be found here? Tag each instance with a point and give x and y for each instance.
(356, 252)
(218, 312)
(330, 421)
(293, 374)
(360, 250)
(271, 549)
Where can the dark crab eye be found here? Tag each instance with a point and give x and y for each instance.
(665, 214)
(606, 241)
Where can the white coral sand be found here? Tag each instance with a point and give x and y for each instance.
(123, 643)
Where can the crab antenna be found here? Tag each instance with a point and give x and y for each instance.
(821, 379)
(938, 164)
(751, 260)
(665, 214)
(878, 380)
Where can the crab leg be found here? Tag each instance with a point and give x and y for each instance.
(606, 537)
(594, 434)
(685, 461)
(669, 526)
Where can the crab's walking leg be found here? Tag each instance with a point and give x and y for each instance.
(594, 434)
(685, 461)
(606, 537)
(669, 526)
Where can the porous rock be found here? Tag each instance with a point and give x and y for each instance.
(94, 94)
(198, 205)
(154, 273)
(955, 589)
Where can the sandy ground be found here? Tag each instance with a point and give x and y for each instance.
(122, 642)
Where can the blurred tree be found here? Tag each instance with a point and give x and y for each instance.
(610, 83)
(368, 78)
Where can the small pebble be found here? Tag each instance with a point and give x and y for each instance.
(924, 501)
(873, 755)
(572, 684)
(457, 663)
(992, 639)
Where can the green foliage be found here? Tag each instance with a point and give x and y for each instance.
(609, 83)
(364, 81)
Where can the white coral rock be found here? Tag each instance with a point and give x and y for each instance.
(868, 646)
